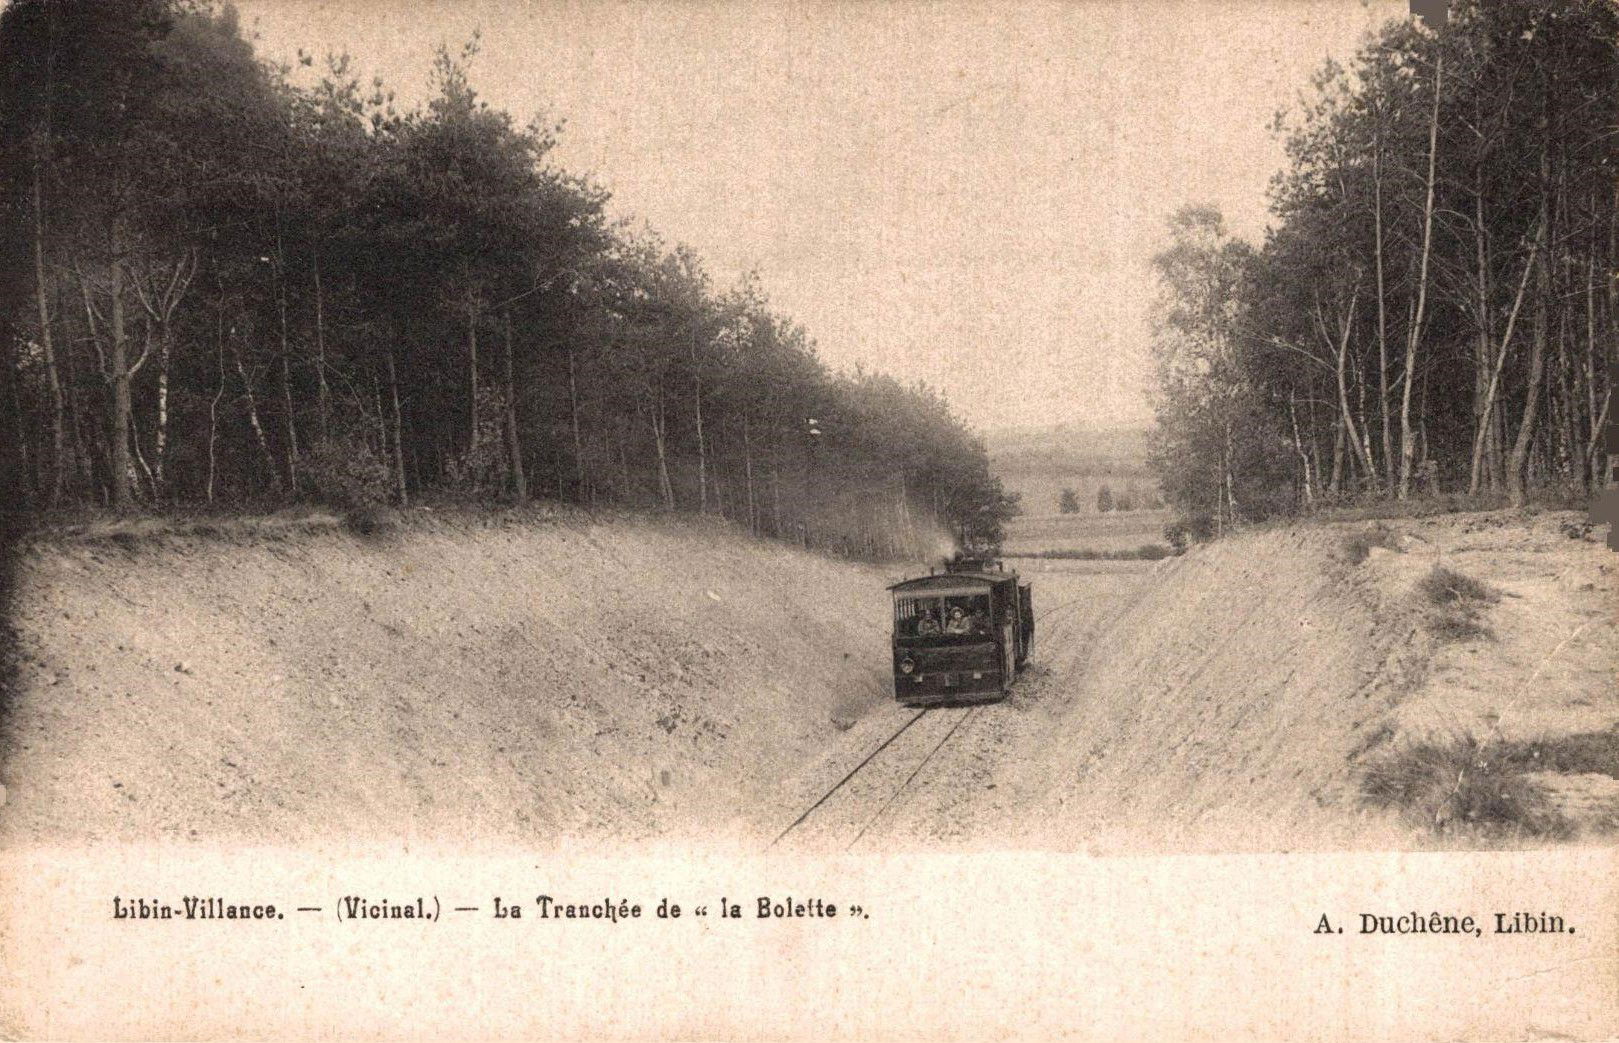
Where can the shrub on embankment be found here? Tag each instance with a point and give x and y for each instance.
(1456, 604)
(1490, 787)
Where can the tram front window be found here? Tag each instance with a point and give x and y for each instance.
(953, 616)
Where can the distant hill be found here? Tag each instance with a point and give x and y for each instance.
(1037, 463)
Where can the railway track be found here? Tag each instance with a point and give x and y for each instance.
(846, 812)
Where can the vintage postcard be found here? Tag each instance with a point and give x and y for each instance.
(809, 520)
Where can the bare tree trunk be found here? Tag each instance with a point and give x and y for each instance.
(253, 418)
(1485, 427)
(1338, 456)
(1414, 335)
(902, 509)
(775, 498)
(320, 354)
(383, 449)
(747, 476)
(519, 480)
(1382, 309)
(1482, 415)
(1304, 457)
(160, 302)
(1498, 449)
(213, 404)
(42, 136)
(665, 487)
(1537, 360)
(47, 345)
(573, 423)
(702, 453)
(292, 426)
(118, 421)
(286, 364)
(18, 475)
(472, 375)
(1341, 351)
(83, 465)
(1222, 501)
(135, 443)
(161, 435)
(103, 450)
(1568, 442)
(1373, 480)
(398, 432)
(1598, 417)
(1598, 425)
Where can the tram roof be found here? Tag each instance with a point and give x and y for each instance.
(946, 580)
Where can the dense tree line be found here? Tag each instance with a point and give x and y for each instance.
(1434, 305)
(237, 288)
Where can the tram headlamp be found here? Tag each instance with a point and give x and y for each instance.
(906, 665)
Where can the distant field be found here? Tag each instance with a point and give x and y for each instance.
(1033, 533)
(1039, 463)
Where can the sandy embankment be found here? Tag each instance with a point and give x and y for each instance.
(471, 679)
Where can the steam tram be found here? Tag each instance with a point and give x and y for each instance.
(960, 635)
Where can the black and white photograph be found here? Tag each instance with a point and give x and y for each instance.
(1052, 444)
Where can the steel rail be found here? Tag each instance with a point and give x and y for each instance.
(853, 772)
(918, 770)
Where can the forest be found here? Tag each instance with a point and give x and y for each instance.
(236, 286)
(1432, 310)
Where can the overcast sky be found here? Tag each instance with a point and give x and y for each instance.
(967, 194)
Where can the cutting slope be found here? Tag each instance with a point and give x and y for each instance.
(1224, 709)
(497, 679)
(1234, 705)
